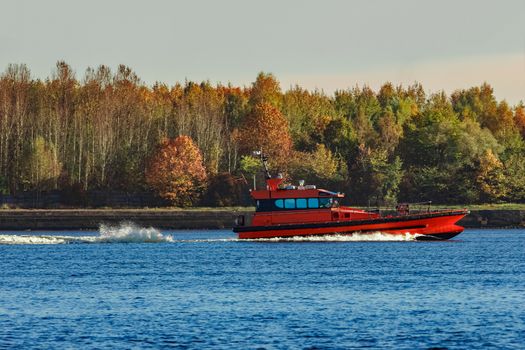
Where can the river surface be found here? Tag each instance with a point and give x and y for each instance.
(129, 287)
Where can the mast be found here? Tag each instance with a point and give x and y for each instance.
(264, 160)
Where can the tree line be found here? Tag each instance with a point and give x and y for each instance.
(103, 131)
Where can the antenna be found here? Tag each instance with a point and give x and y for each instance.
(264, 160)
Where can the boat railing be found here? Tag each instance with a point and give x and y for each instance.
(402, 209)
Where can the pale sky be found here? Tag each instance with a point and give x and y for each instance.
(326, 45)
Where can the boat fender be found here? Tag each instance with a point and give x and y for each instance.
(239, 220)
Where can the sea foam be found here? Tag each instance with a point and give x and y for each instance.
(354, 237)
(129, 232)
(123, 233)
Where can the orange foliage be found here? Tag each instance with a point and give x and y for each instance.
(266, 129)
(519, 119)
(176, 171)
(265, 89)
(230, 90)
(321, 123)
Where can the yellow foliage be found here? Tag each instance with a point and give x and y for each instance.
(490, 176)
(323, 163)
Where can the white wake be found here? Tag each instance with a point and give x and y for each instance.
(131, 233)
(353, 237)
(123, 233)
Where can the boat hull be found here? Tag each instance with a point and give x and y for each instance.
(426, 226)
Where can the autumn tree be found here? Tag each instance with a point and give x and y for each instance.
(41, 168)
(308, 114)
(265, 89)
(479, 103)
(266, 129)
(519, 119)
(235, 110)
(490, 177)
(201, 115)
(60, 103)
(176, 171)
(319, 167)
(102, 128)
(15, 88)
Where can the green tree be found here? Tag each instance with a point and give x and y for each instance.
(320, 167)
(514, 172)
(250, 166)
(323, 163)
(432, 138)
(387, 95)
(344, 102)
(374, 178)
(308, 114)
(390, 132)
(474, 141)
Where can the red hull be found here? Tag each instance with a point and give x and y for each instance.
(428, 226)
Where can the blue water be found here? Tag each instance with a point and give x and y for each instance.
(204, 289)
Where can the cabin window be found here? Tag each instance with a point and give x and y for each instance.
(313, 203)
(289, 203)
(300, 203)
(264, 205)
(325, 202)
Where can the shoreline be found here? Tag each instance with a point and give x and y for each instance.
(195, 218)
(89, 219)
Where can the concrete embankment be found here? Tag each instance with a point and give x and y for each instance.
(85, 219)
(494, 218)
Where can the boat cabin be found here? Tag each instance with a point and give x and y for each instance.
(283, 204)
(292, 198)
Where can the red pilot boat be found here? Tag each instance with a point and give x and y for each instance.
(289, 211)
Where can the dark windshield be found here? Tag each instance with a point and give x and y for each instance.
(325, 202)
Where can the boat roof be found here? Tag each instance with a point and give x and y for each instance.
(295, 193)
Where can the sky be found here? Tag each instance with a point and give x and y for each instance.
(325, 45)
